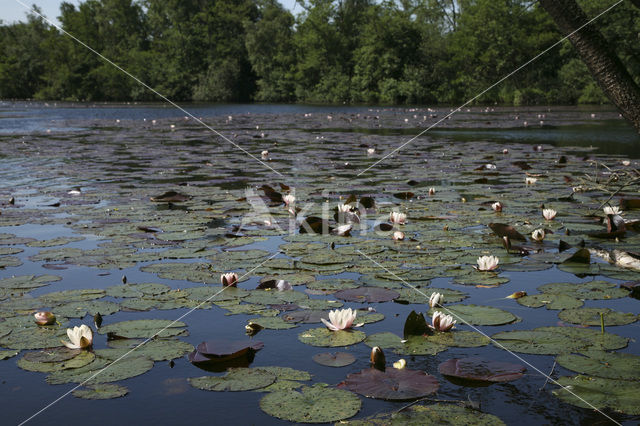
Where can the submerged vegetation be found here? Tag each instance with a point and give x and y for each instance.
(353, 51)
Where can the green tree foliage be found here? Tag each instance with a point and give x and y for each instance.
(333, 51)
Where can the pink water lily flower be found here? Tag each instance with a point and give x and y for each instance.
(341, 319)
(442, 322)
(79, 337)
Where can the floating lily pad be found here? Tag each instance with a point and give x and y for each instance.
(327, 338)
(236, 380)
(103, 371)
(155, 350)
(6, 354)
(80, 360)
(440, 414)
(332, 285)
(592, 290)
(33, 338)
(392, 384)
(385, 340)
(478, 369)
(145, 328)
(409, 295)
(28, 281)
(312, 404)
(91, 307)
(619, 395)
(460, 339)
(591, 316)
(477, 315)
(367, 295)
(274, 323)
(286, 373)
(305, 316)
(611, 365)
(334, 359)
(557, 340)
(103, 391)
(52, 354)
(219, 351)
(550, 301)
(67, 296)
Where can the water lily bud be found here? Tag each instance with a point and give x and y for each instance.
(538, 235)
(252, 328)
(432, 191)
(44, 318)
(377, 358)
(517, 295)
(400, 364)
(497, 206)
(229, 280)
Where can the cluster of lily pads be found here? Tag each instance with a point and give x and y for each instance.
(281, 262)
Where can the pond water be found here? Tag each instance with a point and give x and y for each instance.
(80, 178)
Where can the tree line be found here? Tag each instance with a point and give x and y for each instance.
(330, 51)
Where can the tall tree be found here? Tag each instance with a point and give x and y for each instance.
(599, 56)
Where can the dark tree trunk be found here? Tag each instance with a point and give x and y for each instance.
(599, 56)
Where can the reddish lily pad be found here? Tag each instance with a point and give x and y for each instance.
(367, 294)
(478, 369)
(504, 230)
(223, 350)
(393, 384)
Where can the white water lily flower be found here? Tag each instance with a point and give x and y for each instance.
(344, 208)
(44, 318)
(626, 162)
(436, 299)
(398, 236)
(497, 206)
(340, 319)
(283, 285)
(79, 337)
(432, 191)
(229, 279)
(612, 210)
(442, 322)
(288, 199)
(549, 214)
(397, 217)
(371, 151)
(538, 235)
(265, 154)
(487, 263)
(530, 180)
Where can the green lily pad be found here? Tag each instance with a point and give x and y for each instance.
(33, 338)
(618, 395)
(312, 404)
(460, 339)
(274, 323)
(145, 328)
(332, 285)
(236, 379)
(367, 295)
(440, 414)
(477, 315)
(610, 365)
(68, 296)
(103, 391)
(557, 340)
(336, 359)
(80, 360)
(6, 354)
(592, 290)
(28, 281)
(327, 338)
(103, 371)
(91, 307)
(286, 373)
(550, 301)
(155, 350)
(591, 316)
(52, 354)
(421, 345)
